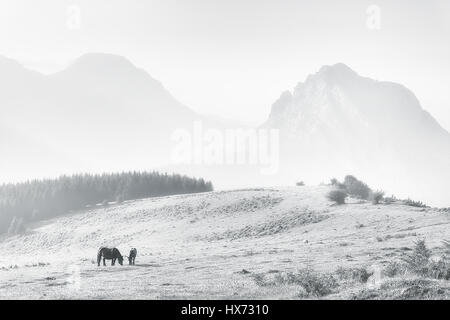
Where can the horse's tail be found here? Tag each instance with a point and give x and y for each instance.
(99, 255)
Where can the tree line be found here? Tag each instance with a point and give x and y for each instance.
(36, 200)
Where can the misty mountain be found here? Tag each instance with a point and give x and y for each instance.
(338, 122)
(103, 114)
(101, 110)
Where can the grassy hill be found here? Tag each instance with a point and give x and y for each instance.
(289, 243)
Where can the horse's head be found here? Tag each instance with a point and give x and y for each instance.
(120, 258)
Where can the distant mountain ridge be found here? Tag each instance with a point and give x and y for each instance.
(101, 109)
(341, 87)
(106, 115)
(338, 122)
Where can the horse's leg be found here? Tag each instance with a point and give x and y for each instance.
(113, 262)
(104, 261)
(99, 258)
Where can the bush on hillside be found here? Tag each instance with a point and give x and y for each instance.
(358, 274)
(418, 259)
(390, 200)
(446, 245)
(357, 188)
(377, 197)
(419, 263)
(337, 195)
(310, 283)
(412, 203)
(335, 183)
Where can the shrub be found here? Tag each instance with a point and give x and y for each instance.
(357, 188)
(439, 269)
(300, 184)
(337, 195)
(417, 261)
(418, 204)
(313, 283)
(355, 274)
(405, 289)
(260, 279)
(446, 244)
(394, 268)
(377, 196)
(335, 183)
(391, 199)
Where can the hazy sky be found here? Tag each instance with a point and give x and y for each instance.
(234, 57)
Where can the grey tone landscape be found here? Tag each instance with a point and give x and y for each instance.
(247, 150)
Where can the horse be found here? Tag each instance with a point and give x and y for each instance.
(132, 256)
(110, 254)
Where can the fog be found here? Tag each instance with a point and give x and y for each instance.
(106, 87)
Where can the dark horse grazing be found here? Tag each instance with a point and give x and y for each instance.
(132, 256)
(110, 254)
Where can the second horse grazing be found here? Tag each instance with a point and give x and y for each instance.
(109, 254)
(132, 256)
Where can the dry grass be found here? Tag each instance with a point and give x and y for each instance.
(360, 274)
(419, 263)
(308, 283)
(405, 289)
(415, 276)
